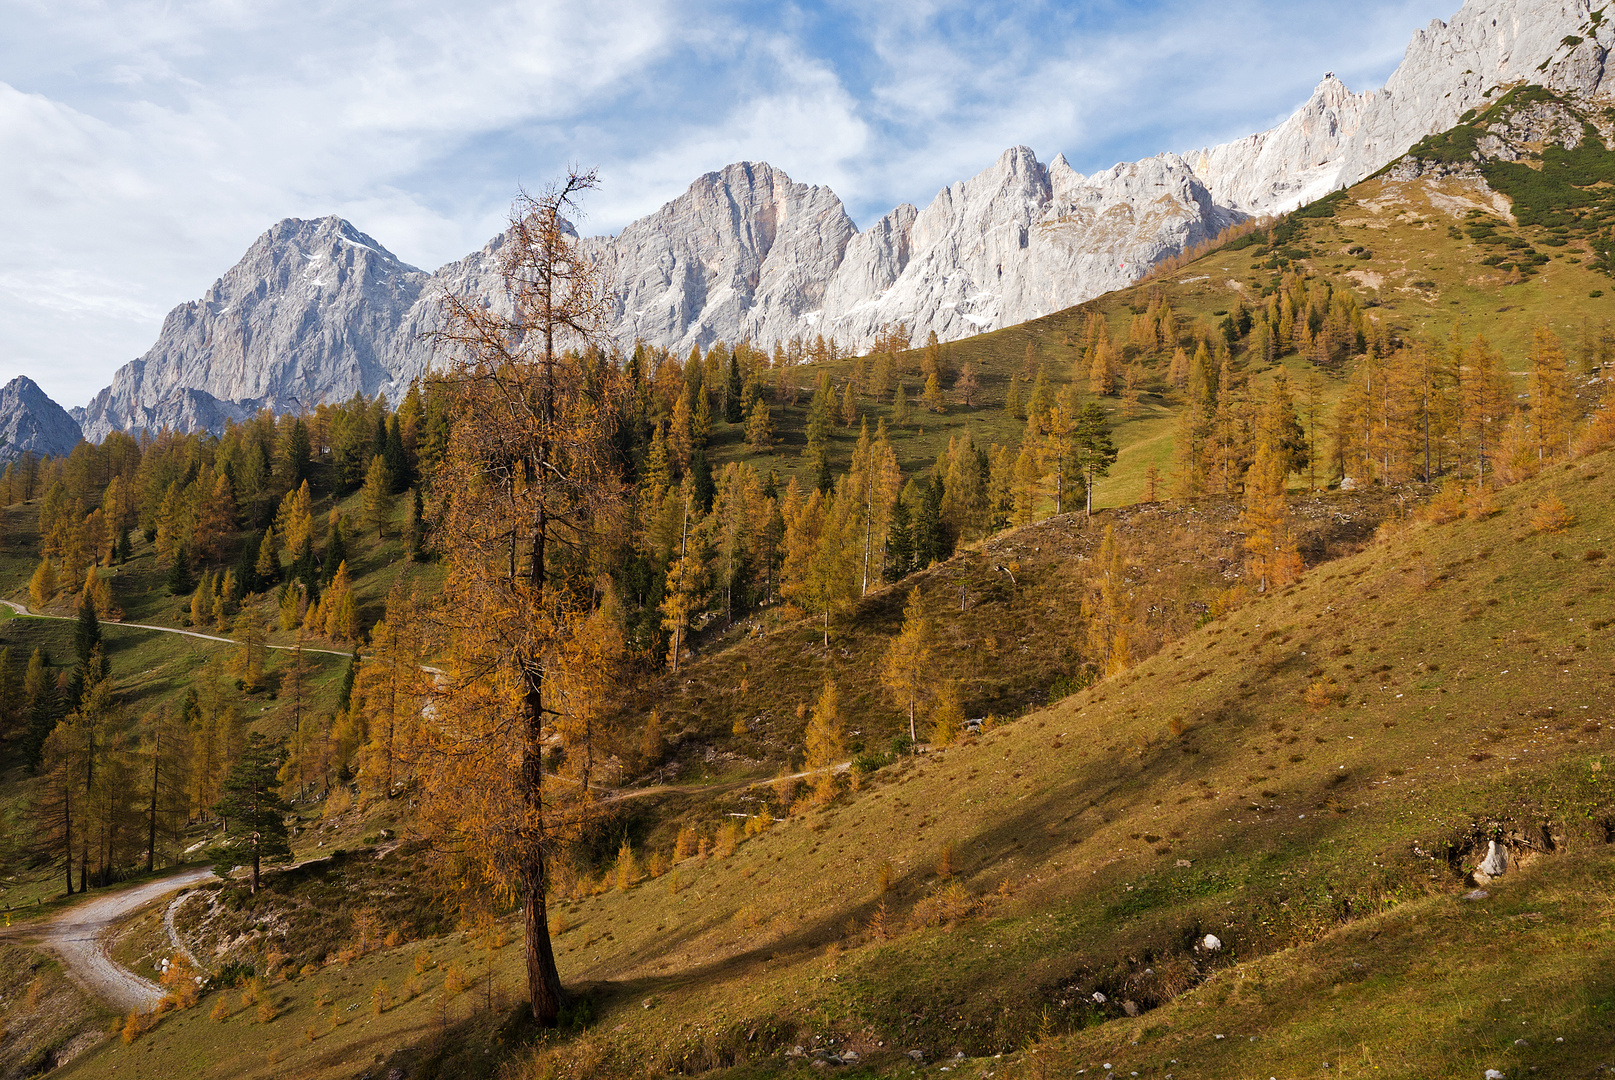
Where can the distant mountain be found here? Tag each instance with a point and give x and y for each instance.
(32, 423)
(317, 310)
(311, 313)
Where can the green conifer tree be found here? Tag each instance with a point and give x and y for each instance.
(255, 814)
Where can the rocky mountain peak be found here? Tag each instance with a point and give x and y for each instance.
(31, 423)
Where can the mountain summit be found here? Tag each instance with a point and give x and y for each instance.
(31, 423)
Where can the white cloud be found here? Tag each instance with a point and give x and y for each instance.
(144, 145)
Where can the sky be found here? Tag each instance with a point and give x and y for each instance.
(144, 144)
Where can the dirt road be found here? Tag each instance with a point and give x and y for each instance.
(23, 611)
(78, 937)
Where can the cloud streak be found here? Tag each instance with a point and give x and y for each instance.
(144, 145)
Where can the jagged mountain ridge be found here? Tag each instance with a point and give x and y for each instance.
(31, 423)
(746, 252)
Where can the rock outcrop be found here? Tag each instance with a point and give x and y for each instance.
(317, 310)
(31, 423)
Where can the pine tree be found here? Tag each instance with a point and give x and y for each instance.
(266, 567)
(1107, 608)
(687, 578)
(1012, 400)
(249, 635)
(932, 397)
(256, 814)
(947, 714)
(521, 624)
(906, 670)
(966, 385)
(42, 586)
(1273, 558)
(1551, 394)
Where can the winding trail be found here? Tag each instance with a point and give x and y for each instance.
(23, 612)
(78, 936)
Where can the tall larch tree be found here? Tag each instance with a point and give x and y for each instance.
(530, 480)
(906, 670)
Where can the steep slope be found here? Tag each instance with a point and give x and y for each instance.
(1037, 899)
(31, 423)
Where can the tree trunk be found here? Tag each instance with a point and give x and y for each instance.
(543, 980)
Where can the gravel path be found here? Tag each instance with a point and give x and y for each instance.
(22, 610)
(77, 935)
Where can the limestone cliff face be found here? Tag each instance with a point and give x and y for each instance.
(744, 253)
(316, 310)
(309, 314)
(1014, 242)
(1338, 138)
(31, 423)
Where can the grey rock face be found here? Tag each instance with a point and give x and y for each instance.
(1338, 138)
(31, 423)
(744, 253)
(316, 310)
(311, 313)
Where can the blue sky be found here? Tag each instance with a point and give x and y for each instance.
(145, 143)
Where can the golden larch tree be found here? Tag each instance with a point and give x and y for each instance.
(529, 484)
(906, 669)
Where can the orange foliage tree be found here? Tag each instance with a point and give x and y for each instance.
(529, 488)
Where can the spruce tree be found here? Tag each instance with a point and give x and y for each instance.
(733, 408)
(180, 581)
(40, 707)
(701, 478)
(344, 695)
(256, 815)
(397, 460)
(1096, 451)
(899, 543)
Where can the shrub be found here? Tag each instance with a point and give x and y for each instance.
(266, 1011)
(381, 998)
(454, 980)
(728, 838)
(1552, 516)
(137, 1025)
(1322, 693)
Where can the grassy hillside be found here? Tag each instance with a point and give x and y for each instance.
(974, 901)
